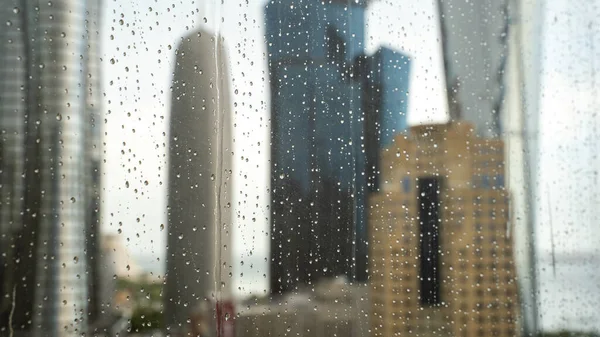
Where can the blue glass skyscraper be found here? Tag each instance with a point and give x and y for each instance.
(385, 78)
(320, 98)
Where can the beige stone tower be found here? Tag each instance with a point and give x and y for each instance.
(441, 257)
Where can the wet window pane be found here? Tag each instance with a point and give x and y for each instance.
(299, 168)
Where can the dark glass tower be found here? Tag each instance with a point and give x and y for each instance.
(321, 99)
(385, 104)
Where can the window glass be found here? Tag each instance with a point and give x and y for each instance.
(299, 168)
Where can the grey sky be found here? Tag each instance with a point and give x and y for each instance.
(137, 102)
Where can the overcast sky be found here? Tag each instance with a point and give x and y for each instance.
(138, 105)
(138, 54)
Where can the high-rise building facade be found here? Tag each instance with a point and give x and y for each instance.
(50, 155)
(385, 76)
(474, 43)
(521, 117)
(441, 248)
(200, 180)
(328, 112)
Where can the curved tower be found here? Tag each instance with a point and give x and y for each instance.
(200, 178)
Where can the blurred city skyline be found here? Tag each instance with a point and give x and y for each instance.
(137, 105)
(149, 109)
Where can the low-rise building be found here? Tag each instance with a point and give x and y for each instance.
(330, 308)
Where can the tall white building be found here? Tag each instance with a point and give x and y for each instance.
(200, 180)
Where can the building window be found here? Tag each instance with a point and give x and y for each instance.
(429, 220)
(499, 181)
(475, 181)
(406, 184)
(485, 182)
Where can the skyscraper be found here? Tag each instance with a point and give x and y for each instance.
(386, 78)
(441, 252)
(521, 118)
(94, 154)
(474, 41)
(200, 179)
(331, 105)
(50, 161)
